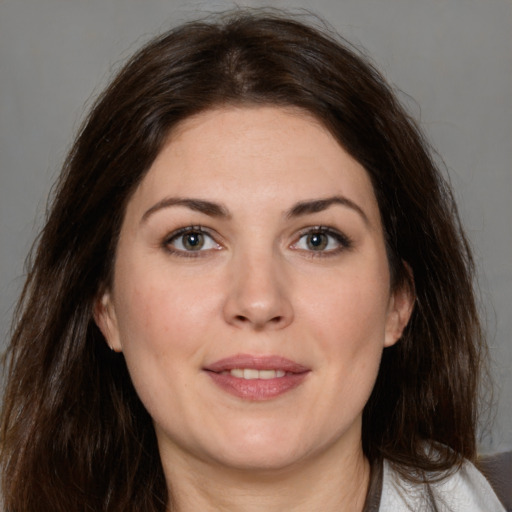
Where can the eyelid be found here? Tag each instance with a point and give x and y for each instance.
(176, 234)
(344, 242)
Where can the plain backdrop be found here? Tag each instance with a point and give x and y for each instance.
(452, 60)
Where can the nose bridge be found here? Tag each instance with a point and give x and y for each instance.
(258, 294)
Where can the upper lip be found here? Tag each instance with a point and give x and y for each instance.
(256, 362)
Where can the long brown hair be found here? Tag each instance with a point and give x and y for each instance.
(74, 434)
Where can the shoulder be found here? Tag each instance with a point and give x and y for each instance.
(465, 490)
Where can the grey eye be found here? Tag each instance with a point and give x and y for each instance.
(321, 240)
(317, 241)
(192, 240)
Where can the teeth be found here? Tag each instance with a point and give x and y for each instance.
(267, 374)
(250, 373)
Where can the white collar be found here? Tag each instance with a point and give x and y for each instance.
(465, 490)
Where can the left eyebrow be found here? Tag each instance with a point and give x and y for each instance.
(319, 205)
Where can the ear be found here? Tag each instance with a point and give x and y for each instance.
(401, 304)
(106, 320)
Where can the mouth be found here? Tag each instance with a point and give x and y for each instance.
(251, 373)
(256, 378)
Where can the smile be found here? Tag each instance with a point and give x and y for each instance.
(251, 373)
(256, 378)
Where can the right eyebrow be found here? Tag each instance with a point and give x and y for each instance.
(198, 205)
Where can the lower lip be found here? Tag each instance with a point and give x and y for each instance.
(257, 389)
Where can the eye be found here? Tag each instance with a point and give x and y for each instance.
(322, 240)
(193, 239)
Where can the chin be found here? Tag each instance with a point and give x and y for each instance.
(267, 449)
(261, 460)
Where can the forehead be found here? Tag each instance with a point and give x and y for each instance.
(251, 156)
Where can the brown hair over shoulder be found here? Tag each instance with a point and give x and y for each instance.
(74, 435)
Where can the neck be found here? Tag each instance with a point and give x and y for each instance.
(330, 482)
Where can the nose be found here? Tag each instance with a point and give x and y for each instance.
(259, 294)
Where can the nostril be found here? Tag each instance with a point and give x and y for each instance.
(244, 319)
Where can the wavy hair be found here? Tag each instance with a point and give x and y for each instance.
(74, 434)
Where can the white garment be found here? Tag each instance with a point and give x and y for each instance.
(466, 490)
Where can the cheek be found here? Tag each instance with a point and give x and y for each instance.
(160, 325)
(160, 316)
(348, 308)
(347, 318)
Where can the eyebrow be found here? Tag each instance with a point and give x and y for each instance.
(198, 205)
(217, 210)
(319, 205)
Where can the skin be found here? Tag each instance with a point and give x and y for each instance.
(255, 287)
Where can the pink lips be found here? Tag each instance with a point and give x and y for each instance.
(257, 389)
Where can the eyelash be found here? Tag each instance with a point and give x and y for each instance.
(180, 233)
(343, 242)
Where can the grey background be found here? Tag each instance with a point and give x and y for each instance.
(452, 58)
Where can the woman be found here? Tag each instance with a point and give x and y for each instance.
(252, 292)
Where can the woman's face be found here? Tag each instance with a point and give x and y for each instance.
(251, 297)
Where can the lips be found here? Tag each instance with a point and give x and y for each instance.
(256, 378)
